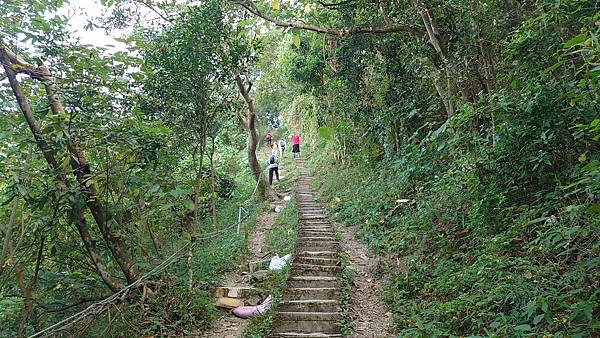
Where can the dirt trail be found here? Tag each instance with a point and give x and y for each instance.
(366, 308)
(229, 326)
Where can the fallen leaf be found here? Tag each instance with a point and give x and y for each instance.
(528, 274)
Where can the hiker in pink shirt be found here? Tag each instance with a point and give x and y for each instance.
(295, 145)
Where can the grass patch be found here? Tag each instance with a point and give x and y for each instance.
(348, 274)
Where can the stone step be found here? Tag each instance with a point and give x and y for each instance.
(315, 228)
(316, 260)
(307, 242)
(315, 233)
(308, 316)
(315, 222)
(316, 247)
(317, 253)
(322, 232)
(313, 282)
(307, 335)
(311, 293)
(317, 267)
(317, 238)
(320, 224)
(309, 270)
(312, 216)
(321, 218)
(309, 305)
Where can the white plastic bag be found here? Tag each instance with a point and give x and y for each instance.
(278, 263)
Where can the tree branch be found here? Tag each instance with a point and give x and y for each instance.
(252, 8)
(66, 307)
(324, 4)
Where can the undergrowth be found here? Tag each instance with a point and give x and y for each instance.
(347, 280)
(165, 307)
(466, 261)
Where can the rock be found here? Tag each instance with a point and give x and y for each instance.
(258, 265)
(287, 198)
(258, 276)
(229, 303)
(233, 291)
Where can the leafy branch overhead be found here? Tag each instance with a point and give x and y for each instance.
(251, 7)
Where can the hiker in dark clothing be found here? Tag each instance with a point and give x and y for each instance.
(273, 166)
(269, 137)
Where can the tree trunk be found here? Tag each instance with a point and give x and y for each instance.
(436, 41)
(249, 123)
(26, 290)
(90, 247)
(48, 155)
(81, 169)
(7, 245)
(190, 253)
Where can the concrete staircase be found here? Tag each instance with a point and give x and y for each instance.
(310, 304)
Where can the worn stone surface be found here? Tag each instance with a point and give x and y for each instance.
(234, 291)
(229, 303)
(310, 306)
(227, 325)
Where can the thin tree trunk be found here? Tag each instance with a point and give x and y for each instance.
(7, 245)
(436, 41)
(90, 247)
(26, 290)
(249, 124)
(190, 254)
(28, 305)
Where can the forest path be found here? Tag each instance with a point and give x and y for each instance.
(366, 306)
(310, 306)
(228, 325)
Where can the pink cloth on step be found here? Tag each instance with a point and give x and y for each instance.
(251, 311)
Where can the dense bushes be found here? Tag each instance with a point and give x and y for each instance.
(470, 261)
(490, 219)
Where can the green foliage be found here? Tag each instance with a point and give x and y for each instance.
(491, 209)
(281, 238)
(347, 282)
(491, 214)
(273, 284)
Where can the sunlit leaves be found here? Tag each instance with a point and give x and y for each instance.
(296, 40)
(275, 5)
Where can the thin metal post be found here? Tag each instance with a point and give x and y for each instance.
(239, 223)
